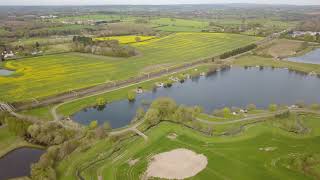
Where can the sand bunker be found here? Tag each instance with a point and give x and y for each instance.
(176, 164)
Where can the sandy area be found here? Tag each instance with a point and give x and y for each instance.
(172, 136)
(176, 164)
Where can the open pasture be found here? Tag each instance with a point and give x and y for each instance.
(262, 151)
(44, 76)
(179, 25)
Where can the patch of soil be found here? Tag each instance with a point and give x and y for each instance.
(132, 162)
(172, 136)
(176, 164)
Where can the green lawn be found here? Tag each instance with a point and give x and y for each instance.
(44, 76)
(242, 156)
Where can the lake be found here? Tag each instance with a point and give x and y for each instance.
(312, 57)
(17, 163)
(236, 87)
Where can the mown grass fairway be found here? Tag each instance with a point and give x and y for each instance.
(262, 151)
(43, 76)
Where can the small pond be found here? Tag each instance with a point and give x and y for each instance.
(5, 72)
(17, 163)
(232, 87)
(312, 57)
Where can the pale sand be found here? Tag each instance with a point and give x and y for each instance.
(176, 164)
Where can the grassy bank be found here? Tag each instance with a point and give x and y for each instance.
(261, 151)
(9, 141)
(270, 62)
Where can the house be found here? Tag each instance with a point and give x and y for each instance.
(7, 54)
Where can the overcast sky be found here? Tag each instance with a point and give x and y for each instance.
(107, 2)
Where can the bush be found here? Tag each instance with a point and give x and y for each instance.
(165, 106)
(251, 107)
(315, 106)
(152, 116)
(283, 115)
(93, 125)
(132, 96)
(273, 107)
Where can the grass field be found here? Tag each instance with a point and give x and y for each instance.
(44, 76)
(126, 39)
(179, 25)
(262, 151)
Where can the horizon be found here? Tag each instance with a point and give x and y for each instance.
(162, 3)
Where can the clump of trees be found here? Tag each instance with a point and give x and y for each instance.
(50, 133)
(105, 48)
(238, 51)
(44, 168)
(166, 109)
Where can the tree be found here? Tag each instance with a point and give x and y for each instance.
(107, 126)
(152, 116)
(251, 107)
(140, 113)
(131, 96)
(37, 45)
(137, 39)
(226, 111)
(273, 107)
(318, 37)
(93, 125)
(166, 107)
(101, 101)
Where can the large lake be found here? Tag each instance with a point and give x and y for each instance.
(233, 87)
(312, 57)
(17, 163)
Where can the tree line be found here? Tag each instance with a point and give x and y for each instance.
(237, 51)
(105, 48)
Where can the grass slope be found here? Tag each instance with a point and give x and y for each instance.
(48, 75)
(243, 156)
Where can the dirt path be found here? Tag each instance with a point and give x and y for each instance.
(133, 128)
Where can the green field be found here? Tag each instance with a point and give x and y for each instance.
(262, 151)
(179, 25)
(44, 76)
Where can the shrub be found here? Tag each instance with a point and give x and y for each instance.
(273, 107)
(251, 107)
(315, 106)
(132, 96)
(93, 125)
(166, 107)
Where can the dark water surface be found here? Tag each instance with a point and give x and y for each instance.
(312, 57)
(18, 162)
(5, 72)
(234, 87)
